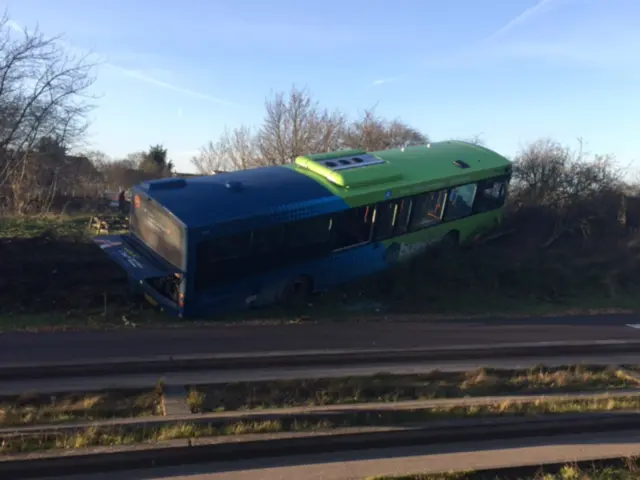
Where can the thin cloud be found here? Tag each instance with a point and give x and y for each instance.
(154, 81)
(520, 19)
(384, 81)
(138, 75)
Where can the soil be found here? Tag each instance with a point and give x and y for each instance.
(48, 274)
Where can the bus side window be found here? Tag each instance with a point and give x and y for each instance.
(491, 195)
(427, 209)
(402, 217)
(352, 227)
(268, 247)
(460, 202)
(223, 259)
(384, 219)
(308, 238)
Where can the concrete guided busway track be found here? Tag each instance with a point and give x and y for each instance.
(397, 332)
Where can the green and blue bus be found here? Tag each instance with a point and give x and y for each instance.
(203, 245)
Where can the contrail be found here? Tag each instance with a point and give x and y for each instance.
(382, 81)
(529, 12)
(145, 78)
(140, 76)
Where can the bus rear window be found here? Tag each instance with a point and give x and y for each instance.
(158, 229)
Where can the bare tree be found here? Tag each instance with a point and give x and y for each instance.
(43, 94)
(474, 139)
(373, 133)
(236, 149)
(98, 158)
(296, 126)
(549, 174)
(135, 159)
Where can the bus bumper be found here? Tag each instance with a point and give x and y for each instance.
(139, 268)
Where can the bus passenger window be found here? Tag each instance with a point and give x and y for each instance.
(402, 217)
(268, 240)
(460, 202)
(491, 195)
(385, 215)
(307, 239)
(427, 209)
(268, 246)
(352, 227)
(223, 259)
(310, 231)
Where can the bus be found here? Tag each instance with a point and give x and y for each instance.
(205, 245)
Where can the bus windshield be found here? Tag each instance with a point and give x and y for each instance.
(152, 224)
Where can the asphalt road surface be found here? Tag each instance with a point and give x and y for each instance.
(77, 346)
(357, 465)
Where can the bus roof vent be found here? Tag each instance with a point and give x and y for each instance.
(349, 162)
(461, 164)
(234, 185)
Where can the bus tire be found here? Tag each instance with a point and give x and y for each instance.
(297, 292)
(450, 242)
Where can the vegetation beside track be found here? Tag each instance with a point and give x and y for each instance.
(38, 409)
(32, 408)
(622, 469)
(393, 388)
(132, 434)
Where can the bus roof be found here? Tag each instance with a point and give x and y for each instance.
(355, 172)
(209, 200)
(320, 183)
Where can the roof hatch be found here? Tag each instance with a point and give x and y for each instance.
(461, 164)
(349, 168)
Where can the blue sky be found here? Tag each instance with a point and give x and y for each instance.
(177, 72)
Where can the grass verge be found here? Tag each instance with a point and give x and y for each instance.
(128, 435)
(33, 408)
(393, 388)
(629, 471)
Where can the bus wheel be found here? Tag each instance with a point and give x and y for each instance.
(450, 242)
(297, 293)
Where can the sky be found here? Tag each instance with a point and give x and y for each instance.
(179, 72)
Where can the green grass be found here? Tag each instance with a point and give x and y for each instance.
(109, 436)
(394, 388)
(33, 226)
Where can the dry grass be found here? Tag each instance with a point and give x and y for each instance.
(393, 388)
(33, 408)
(130, 435)
(568, 472)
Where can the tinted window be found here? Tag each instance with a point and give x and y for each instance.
(491, 195)
(460, 202)
(352, 227)
(402, 216)
(156, 227)
(268, 248)
(427, 209)
(268, 240)
(307, 232)
(223, 259)
(385, 215)
(306, 239)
